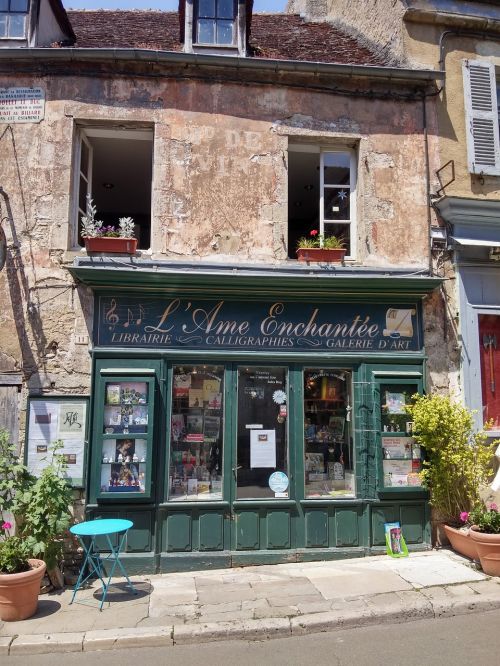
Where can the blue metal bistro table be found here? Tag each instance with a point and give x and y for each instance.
(87, 533)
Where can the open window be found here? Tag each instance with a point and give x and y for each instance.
(115, 168)
(321, 195)
(215, 22)
(13, 18)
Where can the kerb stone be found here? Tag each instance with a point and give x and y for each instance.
(108, 639)
(220, 631)
(47, 643)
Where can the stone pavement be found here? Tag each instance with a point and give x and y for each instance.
(255, 603)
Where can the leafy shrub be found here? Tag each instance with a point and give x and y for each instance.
(457, 459)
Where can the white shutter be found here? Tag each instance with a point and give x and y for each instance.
(481, 117)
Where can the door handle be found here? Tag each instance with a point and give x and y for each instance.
(235, 471)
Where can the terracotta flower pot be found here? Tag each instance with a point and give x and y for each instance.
(19, 592)
(488, 550)
(461, 542)
(109, 244)
(319, 254)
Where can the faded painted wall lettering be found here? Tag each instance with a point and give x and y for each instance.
(22, 105)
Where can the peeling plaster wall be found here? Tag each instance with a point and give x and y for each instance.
(219, 193)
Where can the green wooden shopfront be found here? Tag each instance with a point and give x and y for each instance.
(246, 416)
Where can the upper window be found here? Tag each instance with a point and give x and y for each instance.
(114, 168)
(483, 142)
(321, 195)
(215, 22)
(13, 15)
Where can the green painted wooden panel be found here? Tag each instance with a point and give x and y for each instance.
(139, 537)
(211, 530)
(347, 526)
(179, 532)
(413, 522)
(278, 529)
(387, 513)
(316, 528)
(247, 530)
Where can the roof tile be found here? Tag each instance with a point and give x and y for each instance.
(275, 36)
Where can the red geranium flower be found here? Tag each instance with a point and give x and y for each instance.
(314, 232)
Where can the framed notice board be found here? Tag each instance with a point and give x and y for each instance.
(51, 418)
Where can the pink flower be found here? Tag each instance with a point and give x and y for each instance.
(493, 507)
(6, 525)
(314, 232)
(464, 516)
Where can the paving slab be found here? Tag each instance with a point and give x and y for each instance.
(355, 583)
(438, 569)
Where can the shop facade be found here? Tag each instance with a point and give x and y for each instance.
(242, 420)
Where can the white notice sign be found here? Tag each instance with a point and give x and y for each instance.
(263, 448)
(22, 105)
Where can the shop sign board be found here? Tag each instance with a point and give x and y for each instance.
(182, 323)
(22, 105)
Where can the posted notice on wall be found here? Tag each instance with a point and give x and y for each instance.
(52, 419)
(262, 448)
(22, 105)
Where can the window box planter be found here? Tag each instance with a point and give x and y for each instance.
(319, 254)
(109, 244)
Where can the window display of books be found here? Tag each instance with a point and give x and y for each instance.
(196, 432)
(401, 462)
(125, 408)
(123, 468)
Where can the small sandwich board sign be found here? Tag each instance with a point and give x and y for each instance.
(394, 540)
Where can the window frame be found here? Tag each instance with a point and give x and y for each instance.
(351, 222)
(8, 13)
(82, 134)
(215, 18)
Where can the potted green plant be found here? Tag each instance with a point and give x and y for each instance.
(20, 577)
(457, 463)
(20, 573)
(320, 248)
(101, 238)
(485, 534)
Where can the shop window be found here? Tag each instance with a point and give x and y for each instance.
(126, 439)
(400, 454)
(114, 167)
(321, 195)
(489, 342)
(13, 19)
(196, 433)
(328, 444)
(215, 22)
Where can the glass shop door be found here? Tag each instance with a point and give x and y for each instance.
(261, 461)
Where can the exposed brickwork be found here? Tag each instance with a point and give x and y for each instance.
(280, 36)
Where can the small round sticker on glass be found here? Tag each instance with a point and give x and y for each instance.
(278, 482)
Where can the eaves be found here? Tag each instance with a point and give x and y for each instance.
(19, 58)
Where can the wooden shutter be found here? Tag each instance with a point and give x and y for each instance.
(481, 117)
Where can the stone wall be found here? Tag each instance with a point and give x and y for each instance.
(219, 192)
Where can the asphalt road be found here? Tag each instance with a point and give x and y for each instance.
(459, 641)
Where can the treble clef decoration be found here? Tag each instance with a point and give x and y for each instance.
(111, 318)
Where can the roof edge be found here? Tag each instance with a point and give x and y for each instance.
(71, 54)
